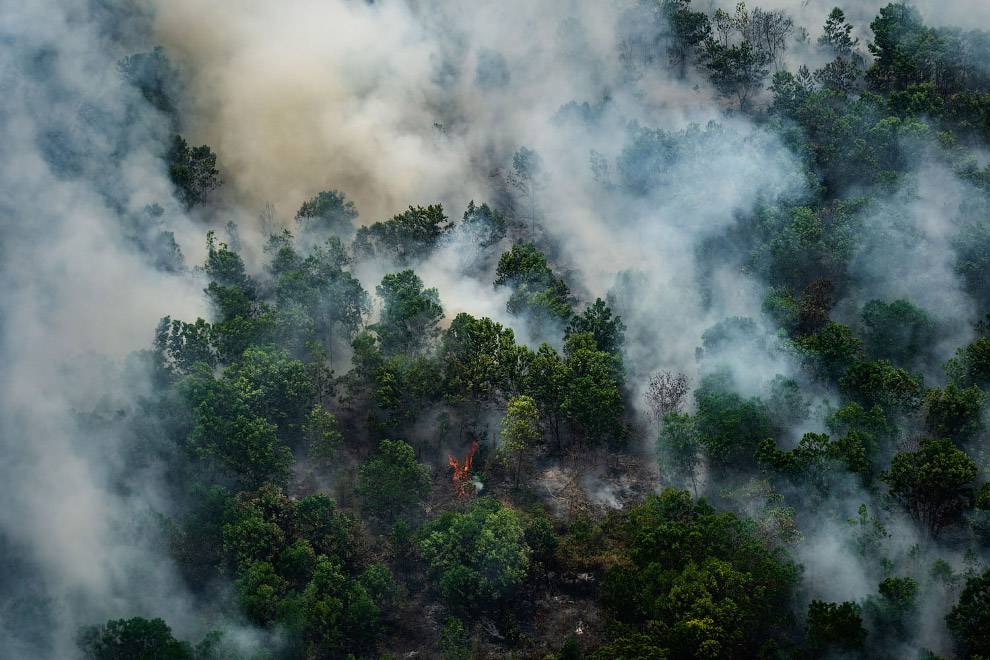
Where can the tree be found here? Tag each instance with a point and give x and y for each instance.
(597, 320)
(969, 620)
(954, 412)
(408, 322)
(331, 532)
(479, 557)
(769, 30)
(192, 171)
(900, 331)
(690, 30)
(132, 639)
(529, 178)
(665, 394)
(697, 583)
(480, 360)
(879, 384)
(154, 76)
(738, 69)
(591, 396)
(520, 431)
(338, 611)
(483, 226)
(837, 35)
(834, 627)
(932, 483)
(536, 290)
(393, 478)
(327, 214)
(729, 426)
(406, 238)
(679, 446)
(546, 382)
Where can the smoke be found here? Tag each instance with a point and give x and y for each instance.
(394, 103)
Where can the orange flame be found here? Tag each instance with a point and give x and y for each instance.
(461, 476)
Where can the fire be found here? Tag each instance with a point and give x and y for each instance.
(461, 476)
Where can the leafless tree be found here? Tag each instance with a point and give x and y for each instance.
(665, 394)
(769, 31)
(269, 224)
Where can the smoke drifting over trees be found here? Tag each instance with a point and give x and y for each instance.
(650, 328)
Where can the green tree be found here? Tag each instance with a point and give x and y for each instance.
(132, 639)
(969, 620)
(478, 557)
(536, 290)
(899, 331)
(520, 431)
(597, 320)
(932, 483)
(409, 319)
(679, 446)
(483, 225)
(880, 384)
(591, 396)
(193, 171)
(546, 382)
(393, 479)
(730, 427)
(406, 238)
(837, 35)
(833, 627)
(954, 412)
(339, 613)
(261, 591)
(327, 214)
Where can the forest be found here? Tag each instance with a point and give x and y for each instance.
(380, 329)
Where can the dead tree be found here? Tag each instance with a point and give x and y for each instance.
(665, 394)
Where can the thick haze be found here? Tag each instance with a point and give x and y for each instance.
(393, 103)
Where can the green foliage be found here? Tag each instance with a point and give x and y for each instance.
(933, 482)
(393, 479)
(969, 620)
(338, 612)
(833, 627)
(971, 366)
(813, 460)
(132, 639)
(700, 585)
(880, 384)
(409, 319)
(332, 533)
(591, 397)
(192, 171)
(899, 332)
(520, 431)
(679, 446)
(730, 427)
(830, 352)
(329, 213)
(480, 359)
(406, 238)
(954, 412)
(332, 300)
(546, 382)
(801, 244)
(536, 291)
(479, 557)
(454, 640)
(483, 225)
(261, 590)
(609, 333)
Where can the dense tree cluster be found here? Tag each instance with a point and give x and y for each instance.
(365, 473)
